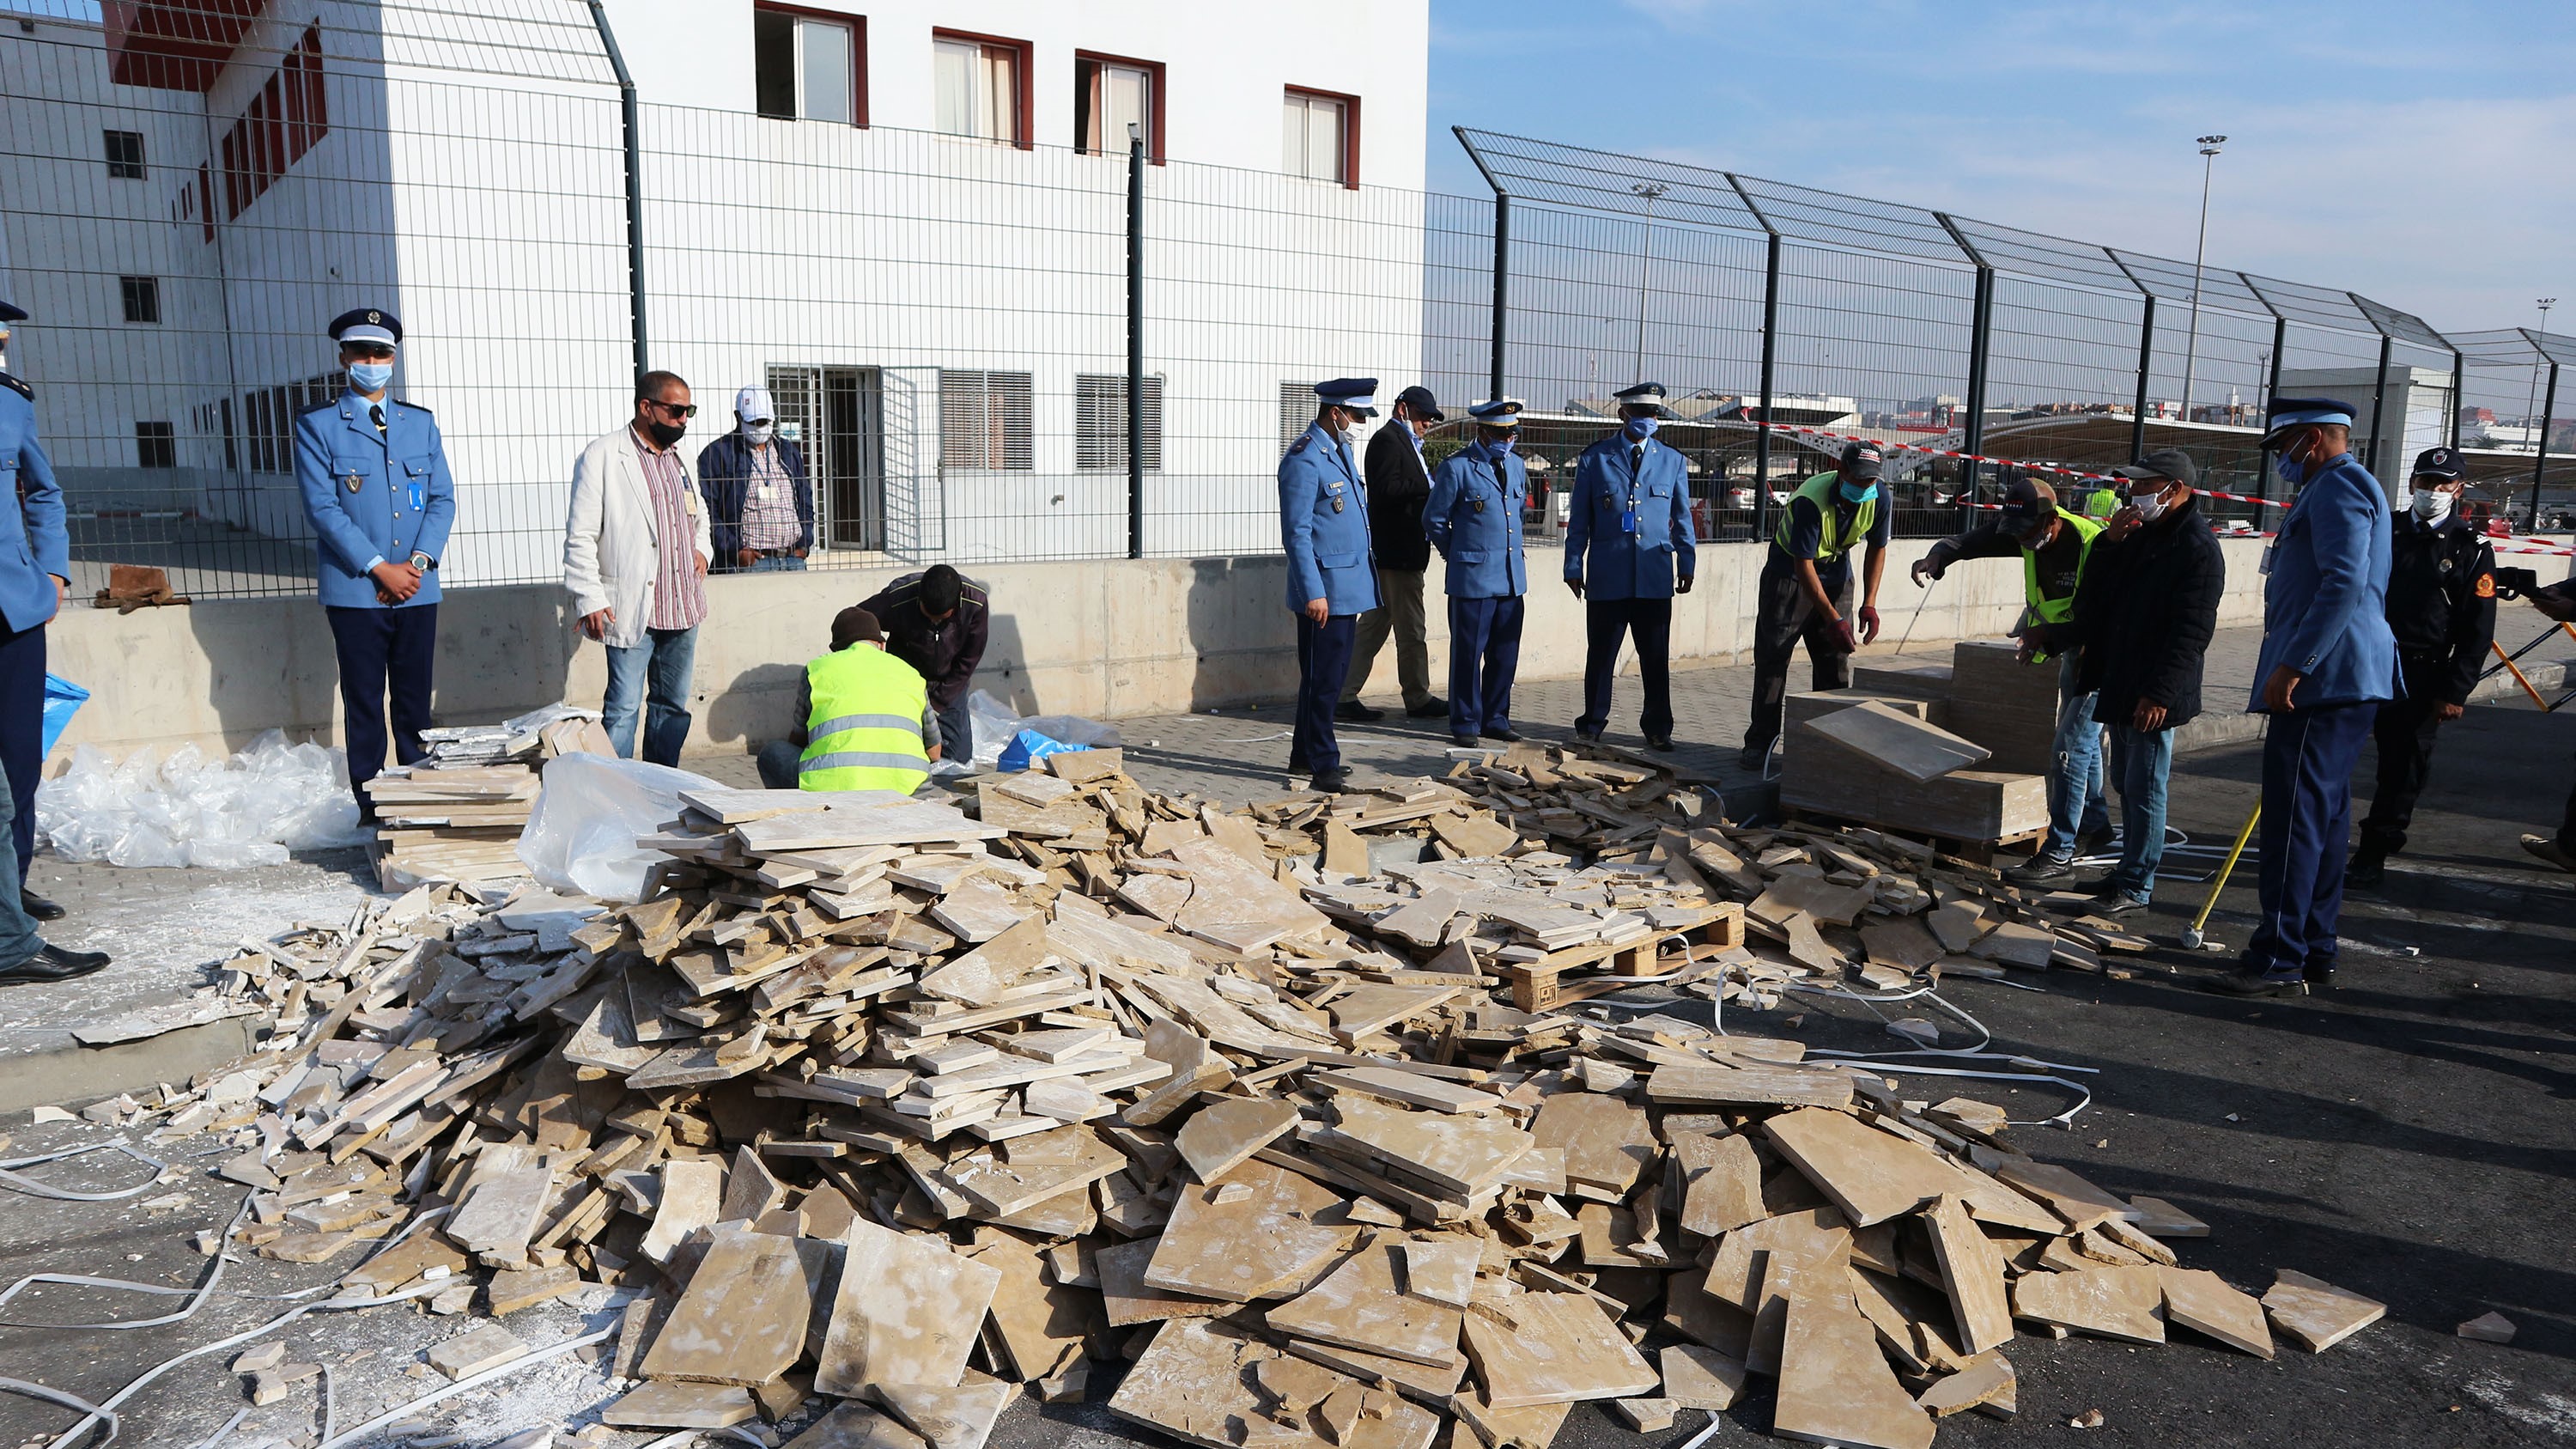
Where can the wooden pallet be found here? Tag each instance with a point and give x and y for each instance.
(1536, 985)
(1974, 852)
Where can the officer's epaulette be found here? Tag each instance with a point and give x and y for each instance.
(18, 385)
(327, 405)
(1299, 446)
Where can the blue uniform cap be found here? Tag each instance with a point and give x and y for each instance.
(1502, 412)
(2296, 412)
(1356, 393)
(367, 324)
(12, 312)
(2443, 463)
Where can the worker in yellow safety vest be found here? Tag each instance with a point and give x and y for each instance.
(1806, 587)
(864, 719)
(2054, 545)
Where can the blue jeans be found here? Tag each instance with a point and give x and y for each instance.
(2075, 802)
(2139, 762)
(779, 564)
(652, 674)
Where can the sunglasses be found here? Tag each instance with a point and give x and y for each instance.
(372, 351)
(679, 410)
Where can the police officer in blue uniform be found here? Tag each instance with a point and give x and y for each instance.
(1332, 575)
(1474, 518)
(2328, 661)
(1627, 540)
(377, 492)
(35, 575)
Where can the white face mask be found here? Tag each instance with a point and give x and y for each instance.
(2150, 506)
(759, 433)
(2433, 504)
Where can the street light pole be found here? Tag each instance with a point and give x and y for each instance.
(2540, 443)
(1645, 259)
(2191, 350)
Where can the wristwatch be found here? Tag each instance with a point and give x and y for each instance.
(422, 561)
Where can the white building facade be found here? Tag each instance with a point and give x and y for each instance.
(908, 220)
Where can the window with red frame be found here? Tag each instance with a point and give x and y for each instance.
(286, 119)
(1320, 136)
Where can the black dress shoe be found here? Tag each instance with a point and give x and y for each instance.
(1358, 713)
(2094, 842)
(37, 907)
(2319, 978)
(1332, 781)
(2039, 870)
(2254, 981)
(1506, 734)
(1580, 733)
(1433, 708)
(1663, 743)
(53, 963)
(2367, 870)
(2111, 901)
(1463, 741)
(1753, 757)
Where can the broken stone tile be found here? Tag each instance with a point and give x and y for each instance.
(1987, 1379)
(692, 1198)
(1464, 1154)
(746, 1314)
(907, 1311)
(1700, 1378)
(1360, 1305)
(1223, 1392)
(1646, 1416)
(1871, 1175)
(266, 1356)
(1607, 1140)
(1836, 1387)
(1247, 1248)
(1533, 1426)
(950, 1416)
(1442, 1268)
(511, 1290)
(750, 1189)
(1039, 1325)
(2316, 1314)
(500, 1212)
(852, 1425)
(2488, 1327)
(1128, 1302)
(1552, 1348)
(1221, 1135)
(1972, 1273)
(1721, 1183)
(682, 1406)
(2159, 1218)
(2122, 1303)
(469, 1353)
(2202, 1302)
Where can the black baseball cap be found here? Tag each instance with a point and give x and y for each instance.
(2443, 463)
(1420, 400)
(1861, 460)
(2163, 463)
(2028, 500)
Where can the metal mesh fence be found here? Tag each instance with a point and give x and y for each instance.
(942, 322)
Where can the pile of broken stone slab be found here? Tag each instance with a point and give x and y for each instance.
(879, 1101)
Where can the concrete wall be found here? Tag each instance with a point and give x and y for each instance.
(1105, 639)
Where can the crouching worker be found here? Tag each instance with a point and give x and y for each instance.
(865, 719)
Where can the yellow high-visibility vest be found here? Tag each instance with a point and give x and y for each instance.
(865, 731)
(1820, 491)
(2058, 611)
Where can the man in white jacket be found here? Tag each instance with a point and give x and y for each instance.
(636, 550)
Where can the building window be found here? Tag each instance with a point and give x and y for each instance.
(1320, 136)
(1100, 421)
(985, 421)
(982, 83)
(142, 298)
(125, 155)
(271, 416)
(287, 117)
(156, 445)
(1112, 92)
(809, 66)
(1297, 408)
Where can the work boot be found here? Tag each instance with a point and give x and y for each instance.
(1356, 712)
(53, 963)
(1587, 736)
(2551, 851)
(2112, 900)
(1433, 708)
(2255, 981)
(2094, 842)
(1661, 744)
(1333, 781)
(2366, 869)
(2319, 975)
(1753, 757)
(2040, 869)
(37, 907)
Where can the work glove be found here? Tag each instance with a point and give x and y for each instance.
(1843, 640)
(1868, 624)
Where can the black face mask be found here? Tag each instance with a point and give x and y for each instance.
(666, 434)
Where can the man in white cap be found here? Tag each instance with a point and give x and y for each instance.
(760, 505)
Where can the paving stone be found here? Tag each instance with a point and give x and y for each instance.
(2202, 1302)
(747, 1312)
(1700, 1378)
(907, 1311)
(949, 1416)
(1360, 1305)
(2122, 1303)
(2316, 1314)
(1224, 1134)
(1835, 1385)
(486, 1346)
(682, 1406)
(1552, 1348)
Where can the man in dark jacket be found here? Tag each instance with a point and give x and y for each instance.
(2441, 607)
(937, 621)
(2144, 616)
(760, 506)
(1397, 485)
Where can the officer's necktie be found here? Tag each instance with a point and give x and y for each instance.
(1636, 459)
(376, 415)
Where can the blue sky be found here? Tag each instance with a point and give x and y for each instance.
(2423, 154)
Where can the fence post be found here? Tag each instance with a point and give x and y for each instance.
(1770, 359)
(2271, 390)
(1135, 341)
(2540, 456)
(634, 182)
(2378, 402)
(2459, 393)
(1502, 288)
(2146, 362)
(1981, 328)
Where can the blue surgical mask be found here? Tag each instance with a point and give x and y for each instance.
(1641, 428)
(1858, 492)
(1501, 446)
(370, 376)
(2293, 471)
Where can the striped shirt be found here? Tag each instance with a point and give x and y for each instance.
(679, 594)
(769, 521)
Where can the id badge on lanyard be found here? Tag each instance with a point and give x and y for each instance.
(1628, 516)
